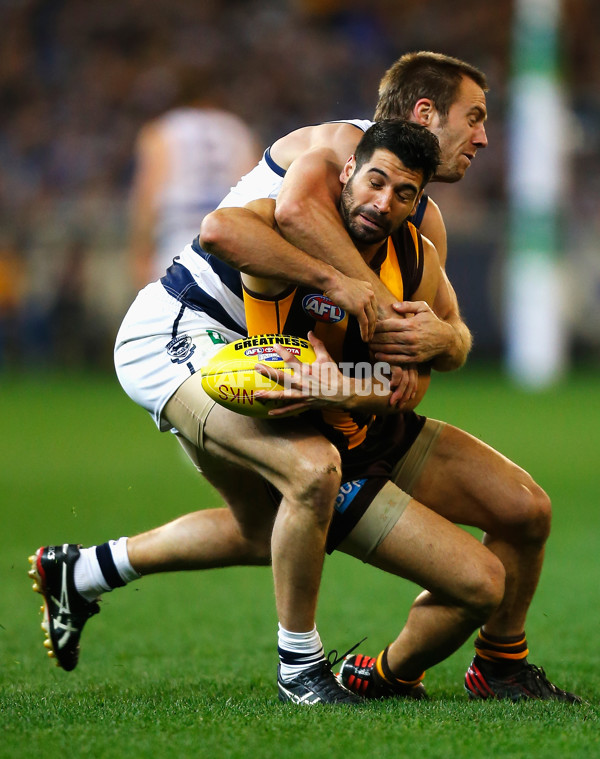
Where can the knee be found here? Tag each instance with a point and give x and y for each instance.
(531, 515)
(316, 480)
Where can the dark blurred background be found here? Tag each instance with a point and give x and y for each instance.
(78, 79)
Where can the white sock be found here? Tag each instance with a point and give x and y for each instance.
(298, 651)
(100, 569)
(121, 559)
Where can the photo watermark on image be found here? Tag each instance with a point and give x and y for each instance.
(320, 380)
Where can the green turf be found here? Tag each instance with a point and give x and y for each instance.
(183, 665)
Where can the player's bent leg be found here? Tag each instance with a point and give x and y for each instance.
(201, 540)
(464, 582)
(305, 469)
(234, 536)
(468, 482)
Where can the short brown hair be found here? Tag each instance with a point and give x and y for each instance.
(423, 75)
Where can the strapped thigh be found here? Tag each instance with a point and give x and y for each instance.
(188, 409)
(390, 501)
(383, 512)
(408, 470)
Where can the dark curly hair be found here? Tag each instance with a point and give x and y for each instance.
(413, 144)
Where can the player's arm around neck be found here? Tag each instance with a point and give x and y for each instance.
(246, 239)
(307, 215)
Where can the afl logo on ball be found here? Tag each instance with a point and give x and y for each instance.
(180, 349)
(322, 309)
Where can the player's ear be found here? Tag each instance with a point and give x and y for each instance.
(424, 111)
(348, 169)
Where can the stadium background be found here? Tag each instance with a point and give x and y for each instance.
(77, 81)
(185, 664)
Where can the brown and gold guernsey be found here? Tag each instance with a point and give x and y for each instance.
(297, 310)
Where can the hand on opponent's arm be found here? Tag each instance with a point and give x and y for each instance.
(417, 335)
(422, 333)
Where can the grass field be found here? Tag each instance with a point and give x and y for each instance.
(184, 665)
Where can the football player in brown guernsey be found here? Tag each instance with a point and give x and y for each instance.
(379, 193)
(376, 520)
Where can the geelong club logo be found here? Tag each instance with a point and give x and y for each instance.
(322, 309)
(180, 349)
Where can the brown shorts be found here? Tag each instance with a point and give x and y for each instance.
(389, 504)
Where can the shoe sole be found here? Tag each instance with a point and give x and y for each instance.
(39, 587)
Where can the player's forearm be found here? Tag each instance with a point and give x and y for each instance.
(244, 241)
(457, 346)
(321, 236)
(373, 395)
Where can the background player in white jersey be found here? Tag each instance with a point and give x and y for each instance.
(186, 161)
(514, 512)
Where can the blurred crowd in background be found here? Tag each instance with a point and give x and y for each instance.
(78, 80)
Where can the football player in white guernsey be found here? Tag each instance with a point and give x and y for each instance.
(447, 96)
(186, 160)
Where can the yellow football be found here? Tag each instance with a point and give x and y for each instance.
(231, 380)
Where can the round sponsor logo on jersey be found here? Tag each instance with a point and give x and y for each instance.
(322, 309)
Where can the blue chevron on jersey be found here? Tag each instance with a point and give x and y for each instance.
(180, 284)
(229, 276)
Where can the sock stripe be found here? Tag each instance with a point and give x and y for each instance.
(493, 640)
(295, 659)
(108, 567)
(490, 656)
(383, 670)
(496, 649)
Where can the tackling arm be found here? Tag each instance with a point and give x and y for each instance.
(308, 216)
(246, 239)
